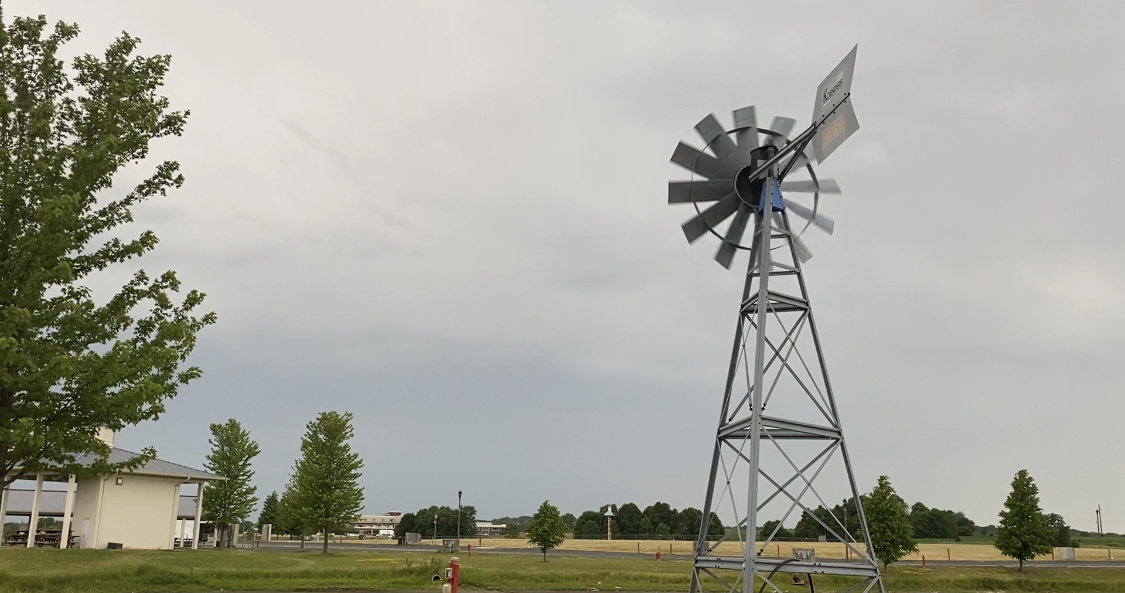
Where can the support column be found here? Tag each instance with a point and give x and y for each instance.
(198, 515)
(175, 515)
(183, 530)
(4, 495)
(68, 510)
(33, 521)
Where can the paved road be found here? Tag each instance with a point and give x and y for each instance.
(602, 554)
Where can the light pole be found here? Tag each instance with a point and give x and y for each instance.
(458, 519)
(435, 529)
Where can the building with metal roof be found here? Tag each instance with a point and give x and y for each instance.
(141, 509)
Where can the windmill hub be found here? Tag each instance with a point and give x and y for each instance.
(749, 189)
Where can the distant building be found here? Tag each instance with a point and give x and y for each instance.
(486, 529)
(378, 525)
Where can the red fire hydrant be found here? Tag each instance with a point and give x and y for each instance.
(451, 574)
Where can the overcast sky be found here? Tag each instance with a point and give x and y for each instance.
(449, 219)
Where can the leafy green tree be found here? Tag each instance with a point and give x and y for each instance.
(965, 525)
(590, 525)
(290, 518)
(569, 519)
(446, 521)
(70, 362)
(1059, 530)
(327, 475)
(767, 529)
(627, 522)
(268, 514)
(546, 530)
(661, 512)
(229, 502)
(892, 535)
(809, 528)
(406, 525)
(689, 521)
(511, 530)
(1023, 532)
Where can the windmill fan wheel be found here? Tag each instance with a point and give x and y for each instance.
(714, 185)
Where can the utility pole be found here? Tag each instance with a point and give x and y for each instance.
(458, 518)
(435, 529)
(1098, 514)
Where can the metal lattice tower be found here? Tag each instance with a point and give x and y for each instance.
(779, 450)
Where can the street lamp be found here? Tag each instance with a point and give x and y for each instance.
(435, 529)
(609, 524)
(458, 519)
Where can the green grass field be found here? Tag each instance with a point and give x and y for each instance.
(103, 571)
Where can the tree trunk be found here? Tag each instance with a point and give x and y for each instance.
(544, 555)
(1021, 564)
(302, 539)
(325, 551)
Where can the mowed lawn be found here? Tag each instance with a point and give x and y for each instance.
(98, 571)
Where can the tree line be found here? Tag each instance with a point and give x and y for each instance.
(439, 521)
(657, 521)
(926, 523)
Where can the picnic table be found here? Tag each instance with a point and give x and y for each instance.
(43, 539)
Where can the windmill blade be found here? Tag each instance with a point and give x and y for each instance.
(715, 136)
(718, 212)
(783, 126)
(680, 192)
(748, 138)
(820, 220)
(726, 252)
(696, 161)
(808, 186)
(801, 249)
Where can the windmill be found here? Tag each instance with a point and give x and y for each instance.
(779, 443)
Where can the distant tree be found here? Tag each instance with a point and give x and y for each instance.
(590, 525)
(268, 515)
(715, 528)
(74, 360)
(511, 530)
(1059, 531)
(227, 503)
(521, 522)
(447, 521)
(291, 519)
(406, 525)
(327, 475)
(569, 519)
(892, 535)
(646, 529)
(1023, 532)
(809, 528)
(627, 522)
(965, 525)
(546, 531)
(689, 522)
(661, 512)
(767, 529)
(847, 513)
